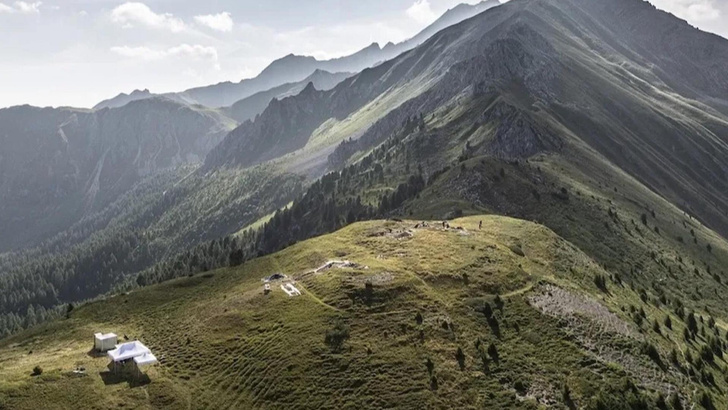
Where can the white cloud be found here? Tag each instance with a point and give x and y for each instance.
(220, 22)
(21, 7)
(421, 12)
(195, 52)
(693, 10)
(133, 13)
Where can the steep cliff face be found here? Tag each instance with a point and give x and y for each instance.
(283, 127)
(58, 164)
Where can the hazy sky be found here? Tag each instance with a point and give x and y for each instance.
(78, 52)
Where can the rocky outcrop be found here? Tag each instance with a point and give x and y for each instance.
(284, 126)
(517, 135)
(248, 108)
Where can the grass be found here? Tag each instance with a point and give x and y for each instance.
(223, 344)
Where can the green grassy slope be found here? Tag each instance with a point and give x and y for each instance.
(160, 217)
(223, 344)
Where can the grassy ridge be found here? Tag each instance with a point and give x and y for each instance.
(223, 344)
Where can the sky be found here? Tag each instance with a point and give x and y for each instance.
(79, 52)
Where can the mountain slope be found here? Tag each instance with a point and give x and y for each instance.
(247, 108)
(538, 57)
(60, 164)
(420, 325)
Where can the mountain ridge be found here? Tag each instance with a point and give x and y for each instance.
(295, 68)
(248, 108)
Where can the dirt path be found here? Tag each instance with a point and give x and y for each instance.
(316, 299)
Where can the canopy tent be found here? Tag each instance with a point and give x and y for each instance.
(129, 350)
(145, 359)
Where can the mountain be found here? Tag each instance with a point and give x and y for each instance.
(520, 53)
(451, 17)
(532, 202)
(247, 108)
(295, 68)
(58, 165)
(124, 99)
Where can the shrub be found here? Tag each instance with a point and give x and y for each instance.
(520, 386)
(37, 371)
(487, 310)
(493, 352)
(675, 402)
(418, 318)
(660, 402)
(707, 401)
(668, 322)
(460, 357)
(498, 302)
(485, 362)
(637, 319)
(335, 337)
(651, 351)
(601, 283)
(706, 353)
(692, 323)
(433, 383)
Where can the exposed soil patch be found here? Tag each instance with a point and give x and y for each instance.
(558, 302)
(603, 334)
(338, 264)
(378, 279)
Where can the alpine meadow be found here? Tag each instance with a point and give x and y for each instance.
(522, 205)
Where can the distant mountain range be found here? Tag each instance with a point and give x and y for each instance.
(294, 68)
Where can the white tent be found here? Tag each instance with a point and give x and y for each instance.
(129, 350)
(145, 359)
(104, 341)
